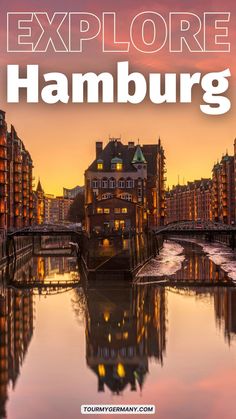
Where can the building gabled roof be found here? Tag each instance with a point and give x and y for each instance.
(116, 149)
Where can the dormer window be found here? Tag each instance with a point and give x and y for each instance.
(117, 164)
(100, 164)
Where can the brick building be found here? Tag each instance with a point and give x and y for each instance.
(223, 190)
(124, 187)
(50, 209)
(16, 179)
(189, 202)
(206, 199)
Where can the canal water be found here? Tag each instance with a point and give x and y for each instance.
(174, 347)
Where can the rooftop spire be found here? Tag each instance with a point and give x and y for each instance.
(138, 156)
(39, 186)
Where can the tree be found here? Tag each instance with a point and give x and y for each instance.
(76, 212)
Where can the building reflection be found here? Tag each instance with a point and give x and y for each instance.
(198, 267)
(125, 327)
(225, 311)
(49, 266)
(17, 315)
(16, 330)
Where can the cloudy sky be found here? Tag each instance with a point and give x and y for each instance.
(61, 138)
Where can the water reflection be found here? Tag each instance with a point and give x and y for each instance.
(185, 263)
(16, 330)
(128, 330)
(225, 311)
(124, 327)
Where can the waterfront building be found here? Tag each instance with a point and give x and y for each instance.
(125, 187)
(3, 172)
(190, 202)
(206, 199)
(16, 179)
(223, 190)
(50, 209)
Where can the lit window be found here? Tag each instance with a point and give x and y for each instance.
(100, 166)
(124, 210)
(117, 210)
(119, 166)
(99, 210)
(101, 370)
(119, 224)
(106, 210)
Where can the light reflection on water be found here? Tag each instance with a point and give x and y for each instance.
(171, 347)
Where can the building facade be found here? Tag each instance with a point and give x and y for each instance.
(191, 202)
(16, 179)
(124, 187)
(50, 209)
(206, 199)
(223, 191)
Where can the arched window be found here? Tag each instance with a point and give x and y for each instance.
(104, 183)
(129, 183)
(94, 183)
(112, 183)
(121, 183)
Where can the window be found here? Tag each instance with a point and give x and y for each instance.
(106, 210)
(112, 183)
(95, 183)
(121, 183)
(104, 183)
(100, 166)
(126, 196)
(119, 166)
(119, 224)
(99, 210)
(107, 195)
(117, 210)
(124, 210)
(130, 183)
(139, 192)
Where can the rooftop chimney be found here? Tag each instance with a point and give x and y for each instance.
(131, 144)
(99, 146)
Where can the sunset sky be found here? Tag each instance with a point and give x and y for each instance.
(61, 138)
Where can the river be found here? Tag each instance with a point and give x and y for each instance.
(174, 347)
